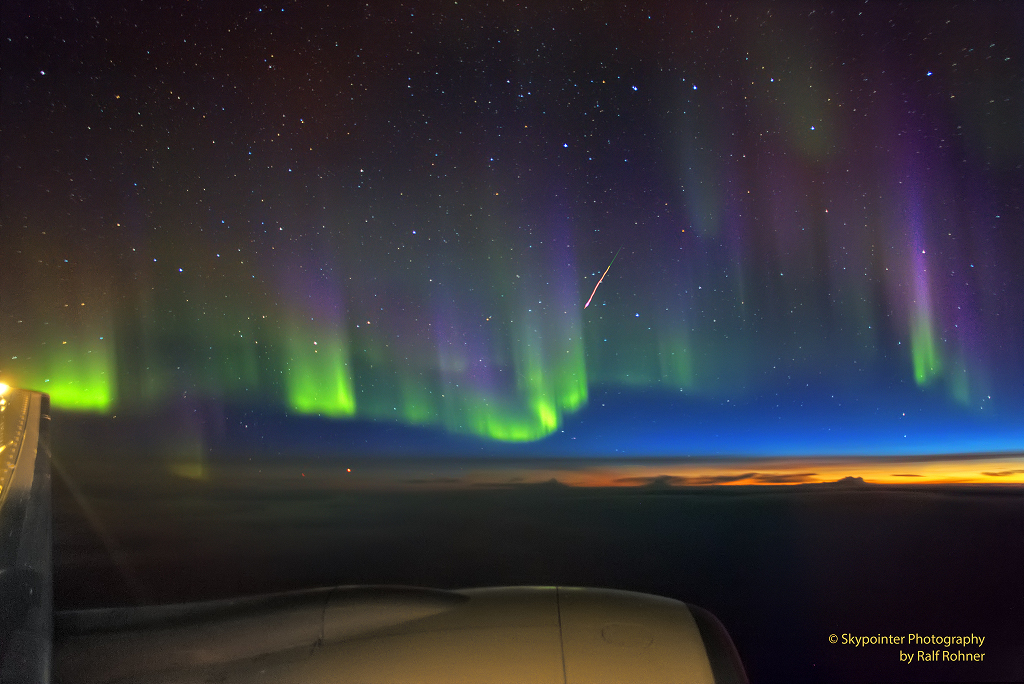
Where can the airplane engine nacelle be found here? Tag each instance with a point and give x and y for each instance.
(403, 634)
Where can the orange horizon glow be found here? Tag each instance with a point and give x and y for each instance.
(995, 469)
(791, 471)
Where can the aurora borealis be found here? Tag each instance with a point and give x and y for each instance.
(305, 283)
(391, 214)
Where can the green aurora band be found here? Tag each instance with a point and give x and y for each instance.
(431, 269)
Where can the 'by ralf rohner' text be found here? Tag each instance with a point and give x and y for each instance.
(945, 654)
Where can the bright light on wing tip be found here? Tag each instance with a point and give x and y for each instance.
(4, 388)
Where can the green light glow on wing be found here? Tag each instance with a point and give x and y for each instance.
(87, 389)
(80, 377)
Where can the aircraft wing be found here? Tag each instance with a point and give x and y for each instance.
(368, 634)
(26, 587)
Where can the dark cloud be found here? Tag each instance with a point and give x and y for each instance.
(658, 481)
(1004, 473)
(678, 480)
(517, 483)
(777, 478)
(722, 479)
(846, 481)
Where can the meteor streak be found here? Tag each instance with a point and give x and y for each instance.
(601, 278)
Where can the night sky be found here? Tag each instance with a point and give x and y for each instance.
(387, 217)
